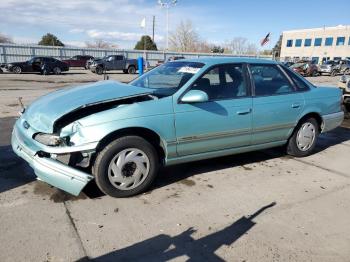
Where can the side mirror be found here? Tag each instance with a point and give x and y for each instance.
(195, 96)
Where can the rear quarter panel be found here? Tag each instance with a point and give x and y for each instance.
(322, 100)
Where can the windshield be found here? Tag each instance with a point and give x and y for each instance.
(169, 77)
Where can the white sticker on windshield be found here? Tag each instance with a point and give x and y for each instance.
(188, 69)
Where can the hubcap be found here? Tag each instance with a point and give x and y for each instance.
(57, 70)
(128, 169)
(306, 136)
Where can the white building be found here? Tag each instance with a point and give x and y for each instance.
(318, 44)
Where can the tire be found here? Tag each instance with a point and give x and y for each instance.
(347, 108)
(17, 70)
(125, 71)
(126, 182)
(99, 70)
(347, 71)
(131, 70)
(56, 70)
(333, 73)
(301, 145)
(314, 73)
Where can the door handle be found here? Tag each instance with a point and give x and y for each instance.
(295, 105)
(244, 112)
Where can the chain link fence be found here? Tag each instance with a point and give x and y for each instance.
(17, 53)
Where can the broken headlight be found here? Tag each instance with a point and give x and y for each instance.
(49, 139)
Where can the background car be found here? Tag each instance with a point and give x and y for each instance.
(114, 62)
(305, 68)
(335, 67)
(344, 85)
(36, 64)
(78, 60)
(90, 61)
(171, 58)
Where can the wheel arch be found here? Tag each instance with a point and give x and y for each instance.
(314, 115)
(146, 133)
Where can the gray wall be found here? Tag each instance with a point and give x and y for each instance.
(15, 53)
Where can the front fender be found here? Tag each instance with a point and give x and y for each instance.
(162, 125)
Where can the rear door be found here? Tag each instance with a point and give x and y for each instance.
(119, 62)
(276, 104)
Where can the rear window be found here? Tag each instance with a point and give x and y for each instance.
(299, 81)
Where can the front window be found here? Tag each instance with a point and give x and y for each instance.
(307, 42)
(318, 41)
(223, 82)
(169, 77)
(329, 41)
(340, 40)
(298, 42)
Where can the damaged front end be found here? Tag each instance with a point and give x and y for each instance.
(63, 158)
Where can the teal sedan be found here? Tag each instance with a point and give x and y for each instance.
(182, 111)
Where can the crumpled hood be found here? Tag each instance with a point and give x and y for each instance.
(42, 113)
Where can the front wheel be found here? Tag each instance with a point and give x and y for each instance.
(99, 70)
(303, 140)
(126, 167)
(17, 69)
(334, 73)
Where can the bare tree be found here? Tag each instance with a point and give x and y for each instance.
(5, 39)
(185, 38)
(99, 43)
(241, 46)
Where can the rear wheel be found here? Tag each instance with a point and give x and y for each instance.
(125, 71)
(131, 70)
(17, 69)
(303, 140)
(126, 167)
(57, 71)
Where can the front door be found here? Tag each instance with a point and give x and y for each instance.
(276, 104)
(221, 123)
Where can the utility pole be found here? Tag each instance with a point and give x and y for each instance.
(167, 4)
(154, 19)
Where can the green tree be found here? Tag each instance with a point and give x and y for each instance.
(50, 39)
(217, 49)
(146, 43)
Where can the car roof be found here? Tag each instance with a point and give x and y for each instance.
(225, 60)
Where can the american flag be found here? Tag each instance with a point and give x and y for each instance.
(265, 40)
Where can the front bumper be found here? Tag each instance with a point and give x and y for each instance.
(325, 70)
(332, 121)
(48, 169)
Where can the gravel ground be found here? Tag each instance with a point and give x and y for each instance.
(260, 206)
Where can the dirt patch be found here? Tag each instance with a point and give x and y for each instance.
(187, 182)
(247, 168)
(12, 105)
(54, 194)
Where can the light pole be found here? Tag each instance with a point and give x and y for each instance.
(167, 4)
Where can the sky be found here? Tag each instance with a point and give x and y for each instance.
(118, 21)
